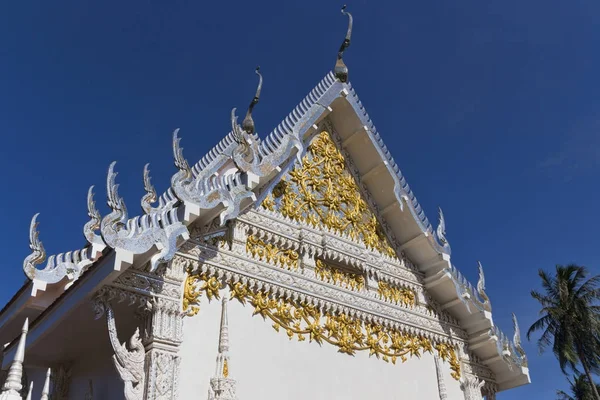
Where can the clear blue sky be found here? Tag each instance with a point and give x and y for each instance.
(491, 110)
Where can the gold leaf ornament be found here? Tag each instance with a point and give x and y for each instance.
(323, 193)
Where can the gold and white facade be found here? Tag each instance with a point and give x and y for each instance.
(295, 266)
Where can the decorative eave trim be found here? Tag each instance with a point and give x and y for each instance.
(225, 264)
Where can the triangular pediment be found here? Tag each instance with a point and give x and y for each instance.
(323, 193)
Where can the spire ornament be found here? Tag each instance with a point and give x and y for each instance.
(341, 70)
(11, 390)
(30, 392)
(487, 306)
(46, 390)
(248, 122)
(221, 386)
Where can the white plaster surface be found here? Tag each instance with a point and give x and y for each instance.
(267, 365)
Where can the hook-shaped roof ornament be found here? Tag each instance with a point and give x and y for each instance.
(341, 70)
(248, 122)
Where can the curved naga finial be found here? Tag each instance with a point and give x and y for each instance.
(341, 70)
(487, 306)
(128, 360)
(38, 253)
(93, 225)
(248, 122)
(139, 234)
(256, 157)
(205, 189)
(441, 229)
(150, 196)
(180, 161)
(68, 265)
(517, 341)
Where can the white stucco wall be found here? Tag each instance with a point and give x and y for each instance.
(267, 365)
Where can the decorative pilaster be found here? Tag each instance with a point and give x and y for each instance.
(13, 386)
(471, 387)
(222, 387)
(440, 378)
(163, 336)
(163, 324)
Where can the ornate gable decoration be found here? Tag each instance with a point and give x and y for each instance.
(323, 193)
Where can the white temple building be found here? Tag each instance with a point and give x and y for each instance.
(289, 266)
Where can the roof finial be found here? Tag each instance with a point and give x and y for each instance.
(340, 70)
(248, 122)
(46, 390)
(12, 386)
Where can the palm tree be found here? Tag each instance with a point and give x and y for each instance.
(570, 319)
(580, 389)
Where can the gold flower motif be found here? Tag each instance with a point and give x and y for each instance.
(322, 193)
(285, 258)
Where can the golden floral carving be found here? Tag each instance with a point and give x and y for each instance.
(322, 193)
(447, 353)
(332, 274)
(195, 285)
(285, 258)
(349, 334)
(395, 294)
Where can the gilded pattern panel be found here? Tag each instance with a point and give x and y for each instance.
(396, 294)
(285, 258)
(334, 275)
(323, 193)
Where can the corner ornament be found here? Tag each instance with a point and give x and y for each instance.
(139, 234)
(128, 359)
(341, 70)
